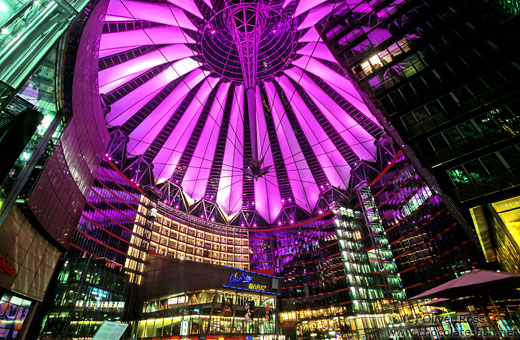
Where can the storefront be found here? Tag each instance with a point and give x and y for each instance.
(227, 303)
(13, 312)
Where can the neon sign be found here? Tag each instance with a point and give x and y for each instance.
(239, 278)
(254, 286)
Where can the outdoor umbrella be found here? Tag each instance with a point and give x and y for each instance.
(476, 282)
(466, 283)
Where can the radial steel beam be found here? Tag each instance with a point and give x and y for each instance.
(246, 22)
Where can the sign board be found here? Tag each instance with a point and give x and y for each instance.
(256, 282)
(110, 331)
(185, 327)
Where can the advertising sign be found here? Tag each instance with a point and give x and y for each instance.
(110, 331)
(246, 280)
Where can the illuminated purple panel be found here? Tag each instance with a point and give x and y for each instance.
(268, 201)
(355, 136)
(146, 132)
(317, 50)
(187, 5)
(171, 53)
(169, 156)
(203, 49)
(127, 106)
(315, 15)
(136, 10)
(311, 36)
(305, 5)
(147, 36)
(305, 190)
(286, 2)
(111, 84)
(334, 165)
(197, 175)
(229, 195)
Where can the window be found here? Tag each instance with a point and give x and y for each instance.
(487, 125)
(468, 130)
(512, 156)
(475, 170)
(453, 136)
(408, 120)
(493, 164)
(458, 175)
(438, 142)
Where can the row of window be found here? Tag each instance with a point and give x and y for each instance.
(486, 167)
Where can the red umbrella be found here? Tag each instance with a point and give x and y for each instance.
(473, 278)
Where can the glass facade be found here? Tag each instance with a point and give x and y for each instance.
(428, 245)
(87, 293)
(13, 312)
(444, 76)
(497, 228)
(159, 229)
(208, 312)
(105, 226)
(145, 151)
(29, 29)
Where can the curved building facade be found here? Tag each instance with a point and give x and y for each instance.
(213, 169)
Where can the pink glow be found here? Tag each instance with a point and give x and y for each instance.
(147, 36)
(139, 65)
(317, 50)
(197, 175)
(315, 15)
(150, 11)
(268, 202)
(311, 36)
(229, 194)
(267, 196)
(305, 5)
(300, 177)
(189, 6)
(327, 154)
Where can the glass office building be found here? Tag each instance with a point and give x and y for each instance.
(252, 169)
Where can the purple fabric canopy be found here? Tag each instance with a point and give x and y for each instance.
(171, 76)
(473, 278)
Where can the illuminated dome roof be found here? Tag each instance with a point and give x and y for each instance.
(171, 78)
